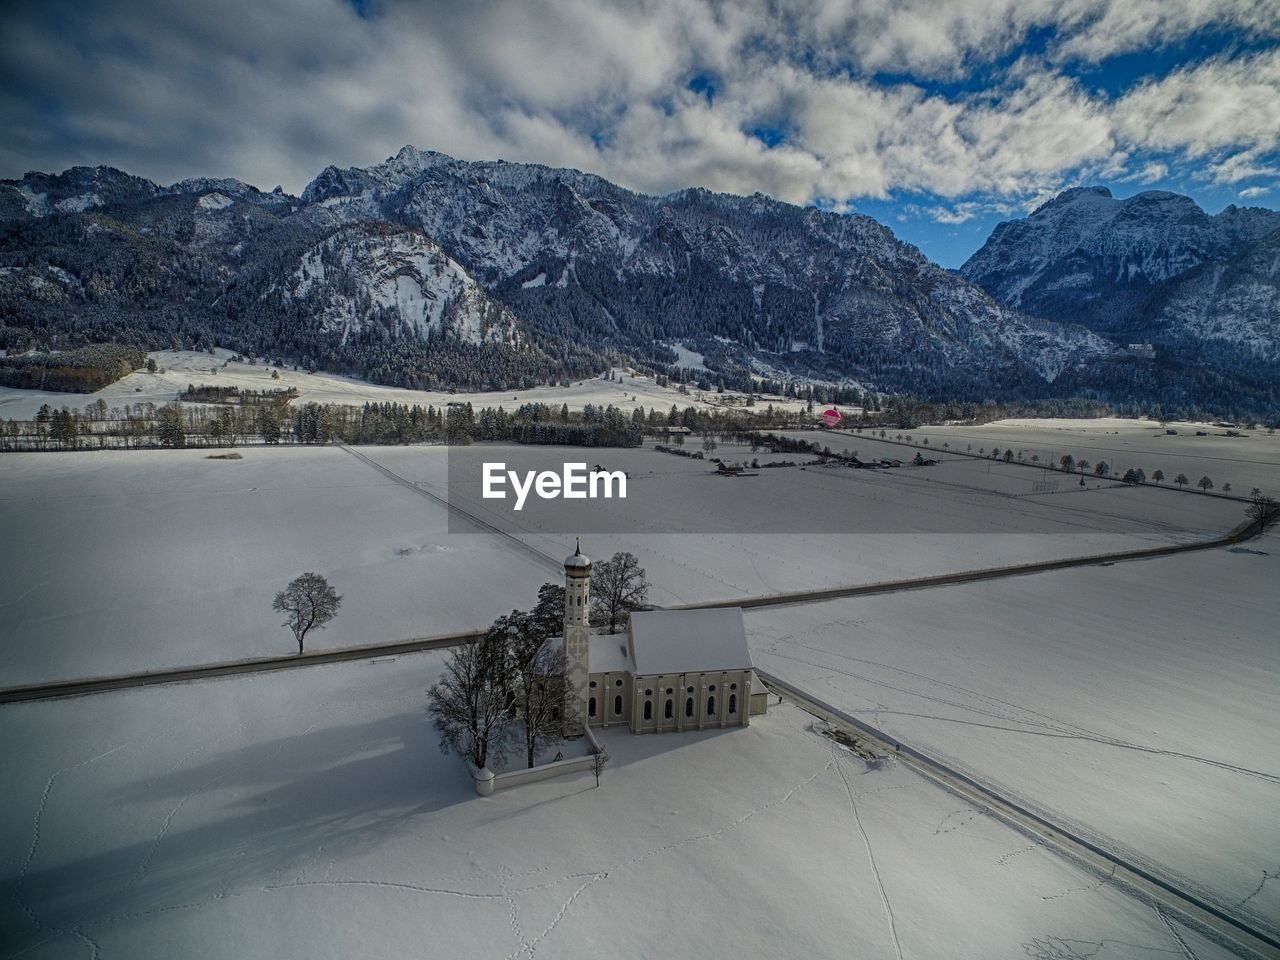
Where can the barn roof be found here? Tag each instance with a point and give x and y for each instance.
(689, 641)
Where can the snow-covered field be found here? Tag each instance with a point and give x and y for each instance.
(1245, 462)
(119, 561)
(310, 815)
(767, 532)
(183, 367)
(1140, 701)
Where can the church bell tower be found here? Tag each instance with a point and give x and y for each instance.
(577, 638)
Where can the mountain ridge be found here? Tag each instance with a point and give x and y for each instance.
(1087, 257)
(563, 272)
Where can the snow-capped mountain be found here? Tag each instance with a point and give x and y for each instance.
(74, 190)
(1152, 267)
(88, 188)
(425, 269)
(795, 287)
(394, 279)
(1230, 305)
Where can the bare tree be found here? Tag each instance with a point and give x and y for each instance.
(309, 602)
(1158, 476)
(1181, 480)
(598, 760)
(618, 586)
(1205, 484)
(1263, 509)
(470, 704)
(535, 675)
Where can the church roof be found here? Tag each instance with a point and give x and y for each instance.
(689, 641)
(607, 653)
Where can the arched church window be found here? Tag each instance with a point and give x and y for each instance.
(711, 706)
(688, 707)
(648, 709)
(591, 707)
(733, 703)
(670, 711)
(617, 706)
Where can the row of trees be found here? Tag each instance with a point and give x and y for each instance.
(147, 425)
(225, 417)
(1067, 463)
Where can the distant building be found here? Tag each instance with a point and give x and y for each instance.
(1143, 351)
(673, 670)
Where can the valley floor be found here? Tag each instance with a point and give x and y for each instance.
(122, 561)
(311, 815)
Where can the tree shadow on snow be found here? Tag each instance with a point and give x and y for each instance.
(263, 813)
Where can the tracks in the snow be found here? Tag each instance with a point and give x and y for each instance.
(538, 556)
(1187, 906)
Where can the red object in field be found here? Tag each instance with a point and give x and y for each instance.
(831, 417)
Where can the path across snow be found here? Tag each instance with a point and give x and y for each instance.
(1136, 703)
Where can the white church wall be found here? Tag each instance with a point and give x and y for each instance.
(607, 688)
(699, 701)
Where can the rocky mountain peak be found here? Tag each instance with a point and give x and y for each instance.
(1154, 266)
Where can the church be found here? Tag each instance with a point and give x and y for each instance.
(672, 670)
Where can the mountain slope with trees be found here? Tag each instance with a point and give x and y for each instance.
(1204, 290)
(428, 271)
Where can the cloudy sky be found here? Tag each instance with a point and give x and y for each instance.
(938, 118)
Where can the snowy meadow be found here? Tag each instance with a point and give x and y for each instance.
(122, 561)
(309, 814)
(1136, 702)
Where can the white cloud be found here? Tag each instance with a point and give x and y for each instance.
(965, 211)
(1239, 166)
(1098, 30)
(1249, 193)
(960, 213)
(272, 92)
(1219, 103)
(1148, 173)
